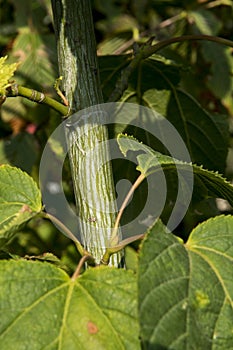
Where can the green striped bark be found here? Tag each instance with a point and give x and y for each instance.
(93, 187)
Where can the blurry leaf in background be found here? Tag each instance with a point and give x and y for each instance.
(34, 46)
(7, 25)
(13, 108)
(205, 22)
(34, 49)
(108, 8)
(20, 150)
(112, 44)
(119, 24)
(6, 72)
(37, 56)
(31, 13)
(220, 59)
(220, 79)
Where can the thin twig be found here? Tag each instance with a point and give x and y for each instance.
(36, 96)
(65, 229)
(131, 191)
(79, 267)
(123, 206)
(116, 248)
(146, 51)
(162, 44)
(59, 92)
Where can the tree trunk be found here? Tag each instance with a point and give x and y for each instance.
(94, 189)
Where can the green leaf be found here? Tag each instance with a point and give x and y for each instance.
(186, 290)
(208, 183)
(20, 200)
(6, 72)
(131, 258)
(48, 310)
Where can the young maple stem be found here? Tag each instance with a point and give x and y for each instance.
(81, 86)
(36, 96)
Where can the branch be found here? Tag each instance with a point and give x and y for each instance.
(17, 90)
(154, 48)
(147, 50)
